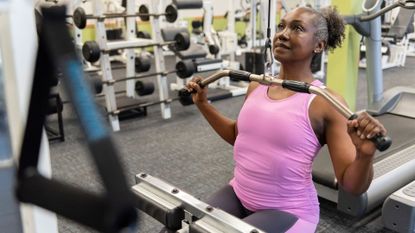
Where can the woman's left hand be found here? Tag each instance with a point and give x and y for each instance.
(361, 130)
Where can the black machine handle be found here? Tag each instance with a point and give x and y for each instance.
(296, 86)
(245, 76)
(382, 143)
(239, 75)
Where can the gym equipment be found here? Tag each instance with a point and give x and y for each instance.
(55, 106)
(188, 4)
(394, 108)
(382, 142)
(170, 13)
(395, 41)
(184, 69)
(91, 50)
(398, 211)
(197, 65)
(130, 54)
(142, 63)
(111, 211)
(132, 104)
(179, 211)
(80, 17)
(268, 57)
(141, 88)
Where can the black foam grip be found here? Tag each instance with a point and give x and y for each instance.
(239, 75)
(84, 207)
(296, 86)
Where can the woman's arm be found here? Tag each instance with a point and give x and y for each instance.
(224, 126)
(350, 148)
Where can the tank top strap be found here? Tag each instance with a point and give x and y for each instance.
(317, 83)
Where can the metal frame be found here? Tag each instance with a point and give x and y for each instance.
(159, 60)
(199, 215)
(108, 90)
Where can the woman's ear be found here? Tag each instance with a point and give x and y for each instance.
(320, 46)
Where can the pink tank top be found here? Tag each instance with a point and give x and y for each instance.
(273, 154)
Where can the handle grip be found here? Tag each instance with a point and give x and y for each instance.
(296, 86)
(239, 75)
(185, 93)
(381, 142)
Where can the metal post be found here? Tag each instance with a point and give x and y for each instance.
(101, 38)
(253, 23)
(159, 60)
(374, 75)
(130, 54)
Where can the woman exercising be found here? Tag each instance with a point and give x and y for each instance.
(279, 132)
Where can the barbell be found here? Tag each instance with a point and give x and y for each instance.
(80, 17)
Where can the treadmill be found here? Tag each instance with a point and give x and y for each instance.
(395, 108)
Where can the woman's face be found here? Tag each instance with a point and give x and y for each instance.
(295, 37)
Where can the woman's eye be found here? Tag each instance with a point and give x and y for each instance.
(299, 28)
(280, 26)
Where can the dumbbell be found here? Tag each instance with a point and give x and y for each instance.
(213, 49)
(91, 50)
(170, 13)
(184, 69)
(80, 17)
(142, 63)
(141, 88)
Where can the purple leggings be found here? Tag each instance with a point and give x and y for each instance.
(270, 220)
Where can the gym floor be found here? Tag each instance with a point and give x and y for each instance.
(186, 152)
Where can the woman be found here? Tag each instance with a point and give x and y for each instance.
(279, 132)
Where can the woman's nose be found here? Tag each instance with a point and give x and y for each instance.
(282, 35)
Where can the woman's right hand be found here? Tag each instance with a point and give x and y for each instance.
(200, 94)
